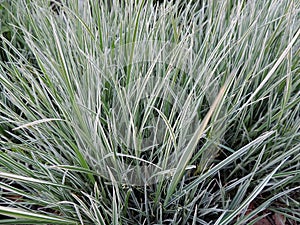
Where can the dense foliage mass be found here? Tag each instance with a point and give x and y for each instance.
(149, 112)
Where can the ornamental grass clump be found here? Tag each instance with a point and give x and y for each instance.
(148, 112)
